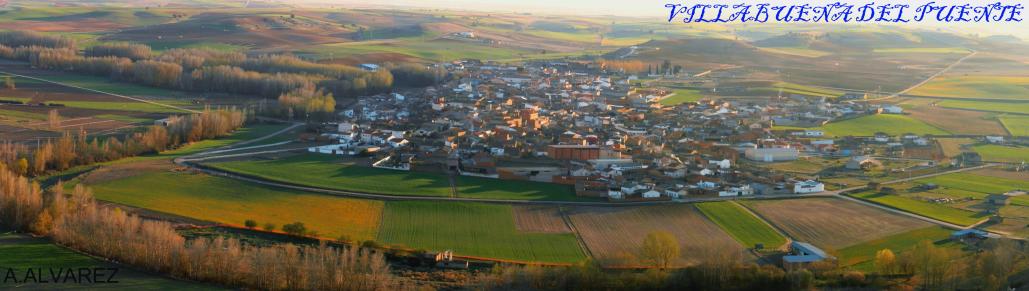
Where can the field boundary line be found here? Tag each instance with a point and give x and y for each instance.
(101, 92)
(787, 236)
(765, 221)
(575, 231)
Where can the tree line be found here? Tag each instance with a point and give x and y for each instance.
(77, 149)
(203, 70)
(16, 38)
(120, 49)
(76, 221)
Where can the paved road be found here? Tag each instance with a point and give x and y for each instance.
(902, 92)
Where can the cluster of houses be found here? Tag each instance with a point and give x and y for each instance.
(582, 124)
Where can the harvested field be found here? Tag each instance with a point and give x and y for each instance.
(993, 172)
(952, 146)
(832, 223)
(615, 235)
(958, 121)
(545, 219)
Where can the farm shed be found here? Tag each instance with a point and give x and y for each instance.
(772, 154)
(802, 254)
(808, 186)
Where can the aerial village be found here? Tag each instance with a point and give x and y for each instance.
(578, 123)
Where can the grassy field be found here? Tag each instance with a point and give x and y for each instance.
(127, 105)
(746, 228)
(792, 88)
(243, 134)
(869, 125)
(105, 84)
(326, 171)
(20, 116)
(232, 202)
(472, 229)
(809, 165)
(999, 153)
(832, 223)
(18, 253)
(987, 87)
(976, 183)
(1017, 125)
(124, 118)
(861, 256)
(681, 96)
(922, 50)
(928, 209)
(998, 106)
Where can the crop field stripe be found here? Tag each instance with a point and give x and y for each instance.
(474, 230)
(935, 211)
(578, 237)
(742, 224)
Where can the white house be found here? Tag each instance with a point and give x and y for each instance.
(706, 172)
(994, 139)
(723, 164)
(892, 109)
(651, 194)
(808, 186)
(744, 190)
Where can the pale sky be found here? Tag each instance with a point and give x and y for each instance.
(655, 9)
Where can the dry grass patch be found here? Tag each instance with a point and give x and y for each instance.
(958, 121)
(830, 222)
(545, 219)
(615, 235)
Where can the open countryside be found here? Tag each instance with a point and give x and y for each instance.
(305, 145)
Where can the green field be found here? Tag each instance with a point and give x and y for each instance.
(791, 88)
(231, 201)
(472, 229)
(243, 134)
(746, 228)
(976, 183)
(862, 256)
(18, 253)
(16, 99)
(1017, 125)
(20, 116)
(998, 106)
(324, 171)
(128, 105)
(124, 118)
(986, 87)
(871, 124)
(999, 153)
(681, 96)
(922, 50)
(104, 84)
(936, 211)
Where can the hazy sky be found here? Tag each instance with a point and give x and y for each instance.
(654, 9)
